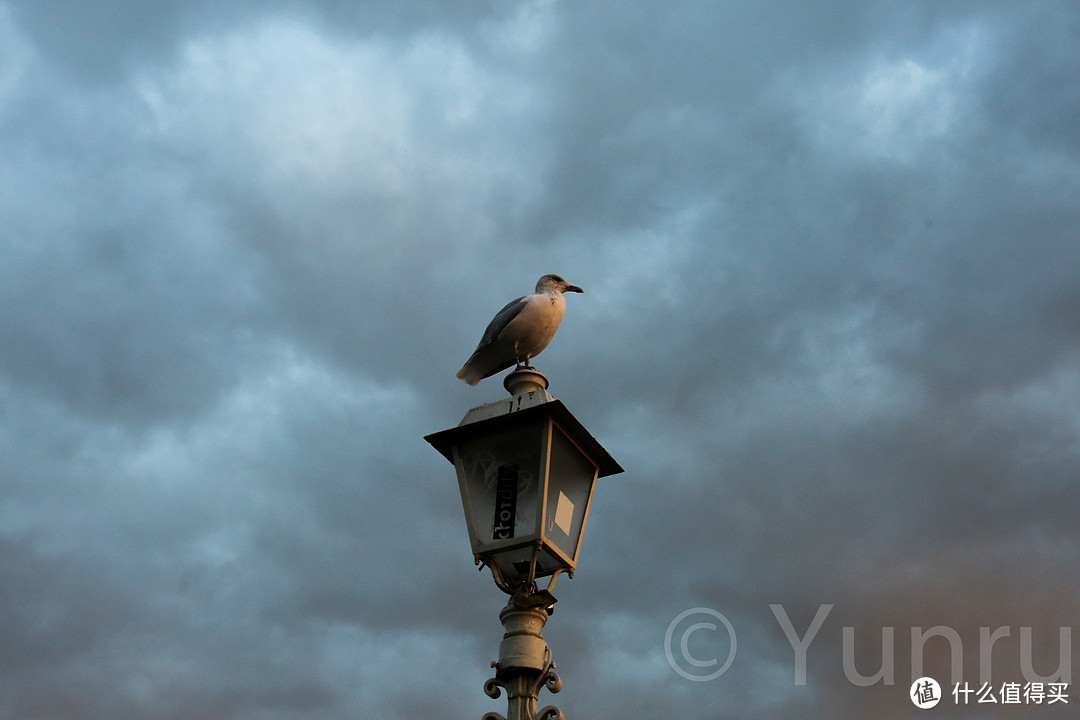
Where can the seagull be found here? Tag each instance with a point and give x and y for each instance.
(520, 330)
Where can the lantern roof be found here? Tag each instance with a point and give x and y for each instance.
(520, 410)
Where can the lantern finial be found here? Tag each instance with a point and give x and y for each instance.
(525, 380)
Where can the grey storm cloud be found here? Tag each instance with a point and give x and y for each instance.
(829, 254)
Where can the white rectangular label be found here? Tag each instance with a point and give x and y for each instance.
(564, 513)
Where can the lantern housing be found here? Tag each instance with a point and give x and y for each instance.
(526, 470)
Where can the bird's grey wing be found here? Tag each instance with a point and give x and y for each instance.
(501, 320)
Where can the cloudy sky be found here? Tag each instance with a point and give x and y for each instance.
(831, 329)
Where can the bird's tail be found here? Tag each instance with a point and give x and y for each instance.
(470, 374)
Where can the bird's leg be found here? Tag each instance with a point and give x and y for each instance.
(527, 362)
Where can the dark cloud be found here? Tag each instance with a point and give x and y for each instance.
(829, 329)
(96, 42)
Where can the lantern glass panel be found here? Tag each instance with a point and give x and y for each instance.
(570, 485)
(503, 473)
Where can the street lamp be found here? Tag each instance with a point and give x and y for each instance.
(526, 470)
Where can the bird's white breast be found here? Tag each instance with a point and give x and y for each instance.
(537, 322)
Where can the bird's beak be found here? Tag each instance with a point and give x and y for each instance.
(573, 288)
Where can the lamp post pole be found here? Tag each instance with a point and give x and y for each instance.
(526, 470)
(524, 665)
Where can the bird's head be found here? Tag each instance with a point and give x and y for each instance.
(549, 283)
